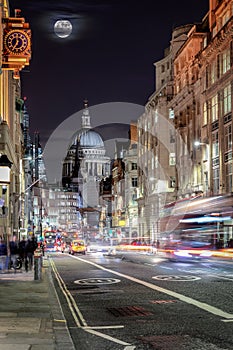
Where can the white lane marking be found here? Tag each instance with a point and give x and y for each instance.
(105, 336)
(103, 327)
(206, 307)
(74, 306)
(70, 300)
(167, 268)
(227, 320)
(224, 278)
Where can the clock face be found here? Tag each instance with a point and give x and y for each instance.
(16, 42)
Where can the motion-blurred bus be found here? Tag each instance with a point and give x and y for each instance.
(190, 227)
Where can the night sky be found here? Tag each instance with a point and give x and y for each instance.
(109, 56)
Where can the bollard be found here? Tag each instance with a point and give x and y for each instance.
(37, 263)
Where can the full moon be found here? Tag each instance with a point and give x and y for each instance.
(63, 28)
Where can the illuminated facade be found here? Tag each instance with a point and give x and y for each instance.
(11, 140)
(156, 145)
(131, 185)
(194, 97)
(85, 165)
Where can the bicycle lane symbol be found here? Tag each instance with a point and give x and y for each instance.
(175, 278)
(96, 281)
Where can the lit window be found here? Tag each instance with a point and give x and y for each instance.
(227, 100)
(172, 159)
(214, 108)
(205, 114)
(215, 145)
(171, 113)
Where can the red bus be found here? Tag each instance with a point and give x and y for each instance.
(50, 241)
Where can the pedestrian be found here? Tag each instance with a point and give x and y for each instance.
(3, 247)
(30, 247)
(3, 254)
(14, 251)
(22, 253)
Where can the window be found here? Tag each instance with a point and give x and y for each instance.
(205, 113)
(216, 180)
(214, 108)
(227, 99)
(172, 159)
(215, 145)
(229, 177)
(212, 73)
(171, 113)
(228, 137)
(172, 182)
(224, 62)
(134, 182)
(134, 166)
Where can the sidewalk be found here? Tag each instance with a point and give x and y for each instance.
(31, 317)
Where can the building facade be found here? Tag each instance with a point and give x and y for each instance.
(185, 134)
(11, 142)
(85, 165)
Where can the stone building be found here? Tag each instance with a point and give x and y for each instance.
(185, 134)
(11, 141)
(131, 184)
(156, 144)
(85, 165)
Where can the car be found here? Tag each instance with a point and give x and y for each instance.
(78, 246)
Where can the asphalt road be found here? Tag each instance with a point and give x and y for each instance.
(145, 302)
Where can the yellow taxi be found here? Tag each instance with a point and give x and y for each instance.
(78, 246)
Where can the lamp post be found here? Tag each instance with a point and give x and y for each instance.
(5, 174)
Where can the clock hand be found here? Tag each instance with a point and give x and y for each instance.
(16, 44)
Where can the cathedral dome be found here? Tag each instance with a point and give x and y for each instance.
(90, 139)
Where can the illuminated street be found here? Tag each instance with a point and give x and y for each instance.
(116, 175)
(145, 302)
